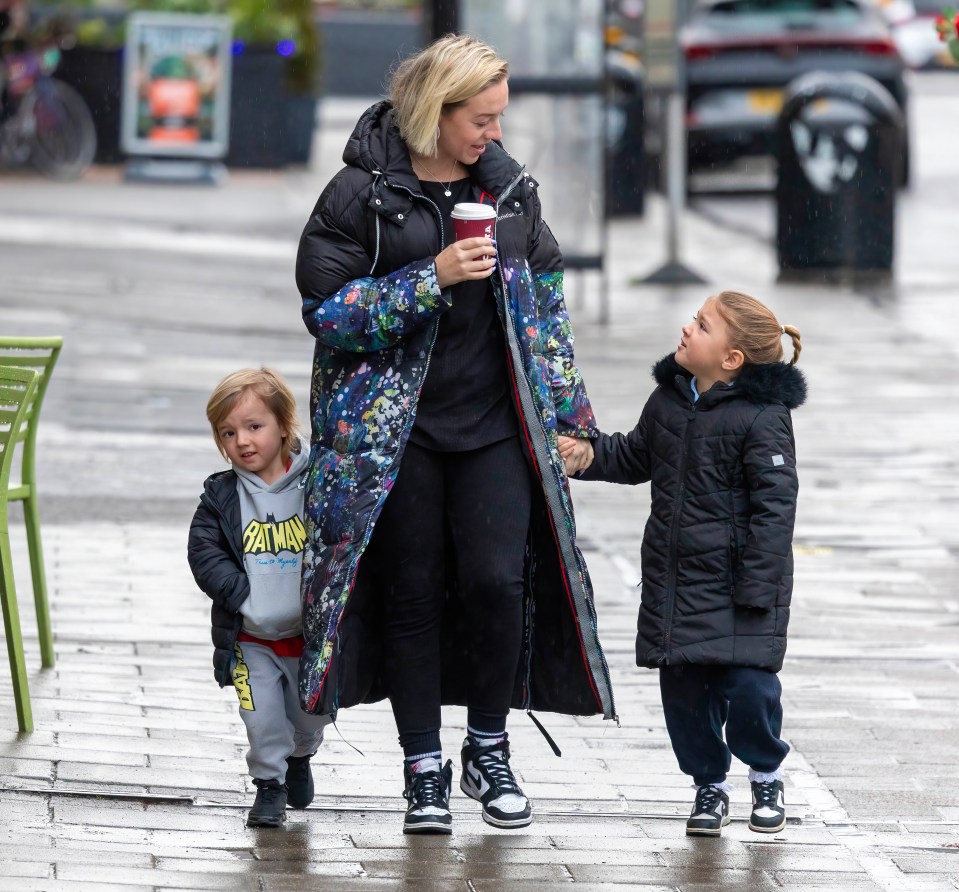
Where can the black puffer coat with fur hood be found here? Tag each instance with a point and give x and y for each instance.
(717, 549)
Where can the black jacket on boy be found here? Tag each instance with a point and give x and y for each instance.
(717, 549)
(215, 552)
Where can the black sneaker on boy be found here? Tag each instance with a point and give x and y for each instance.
(269, 807)
(299, 781)
(769, 807)
(428, 794)
(488, 779)
(710, 812)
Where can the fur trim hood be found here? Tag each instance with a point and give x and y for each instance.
(774, 382)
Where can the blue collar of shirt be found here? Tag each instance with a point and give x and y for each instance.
(692, 386)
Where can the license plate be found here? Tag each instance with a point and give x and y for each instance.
(767, 102)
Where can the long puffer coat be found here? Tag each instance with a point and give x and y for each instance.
(717, 549)
(366, 273)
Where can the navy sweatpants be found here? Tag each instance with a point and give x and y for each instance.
(700, 701)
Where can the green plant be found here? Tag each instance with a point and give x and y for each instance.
(257, 23)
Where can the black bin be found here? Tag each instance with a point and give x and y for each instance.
(839, 142)
(625, 147)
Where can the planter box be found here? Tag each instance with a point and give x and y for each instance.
(268, 127)
(97, 75)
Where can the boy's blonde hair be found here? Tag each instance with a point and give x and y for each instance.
(270, 387)
(754, 329)
(449, 72)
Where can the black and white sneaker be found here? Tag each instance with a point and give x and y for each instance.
(488, 779)
(710, 812)
(769, 807)
(428, 793)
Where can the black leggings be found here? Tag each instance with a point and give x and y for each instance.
(483, 497)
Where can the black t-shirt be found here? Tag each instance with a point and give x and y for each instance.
(465, 402)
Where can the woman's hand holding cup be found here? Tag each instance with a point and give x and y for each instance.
(472, 254)
(469, 258)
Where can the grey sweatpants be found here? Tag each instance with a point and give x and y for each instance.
(276, 726)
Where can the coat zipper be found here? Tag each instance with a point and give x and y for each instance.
(594, 656)
(674, 539)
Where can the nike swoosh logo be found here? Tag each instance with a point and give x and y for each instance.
(474, 775)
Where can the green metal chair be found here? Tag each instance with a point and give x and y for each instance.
(18, 389)
(39, 355)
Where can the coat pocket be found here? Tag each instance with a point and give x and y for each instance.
(731, 559)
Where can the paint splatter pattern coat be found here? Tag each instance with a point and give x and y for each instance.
(366, 273)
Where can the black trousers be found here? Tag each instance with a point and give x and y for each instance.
(483, 498)
(699, 701)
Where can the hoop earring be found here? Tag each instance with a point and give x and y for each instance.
(436, 140)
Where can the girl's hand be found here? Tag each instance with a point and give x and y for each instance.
(577, 454)
(469, 258)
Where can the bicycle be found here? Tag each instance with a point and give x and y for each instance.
(44, 122)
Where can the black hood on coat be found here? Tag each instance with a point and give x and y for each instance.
(377, 147)
(774, 382)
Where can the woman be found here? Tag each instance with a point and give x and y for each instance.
(441, 564)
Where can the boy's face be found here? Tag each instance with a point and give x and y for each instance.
(253, 439)
(704, 344)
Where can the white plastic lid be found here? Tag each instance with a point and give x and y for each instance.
(471, 210)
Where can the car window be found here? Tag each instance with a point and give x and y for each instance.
(784, 7)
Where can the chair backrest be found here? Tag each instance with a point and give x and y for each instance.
(17, 392)
(40, 355)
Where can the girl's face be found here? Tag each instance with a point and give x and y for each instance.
(466, 129)
(253, 439)
(704, 345)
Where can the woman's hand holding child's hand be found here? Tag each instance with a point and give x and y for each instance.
(577, 454)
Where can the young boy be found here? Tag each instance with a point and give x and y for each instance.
(245, 550)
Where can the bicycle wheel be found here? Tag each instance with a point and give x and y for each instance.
(60, 130)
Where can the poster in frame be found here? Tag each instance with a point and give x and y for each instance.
(176, 86)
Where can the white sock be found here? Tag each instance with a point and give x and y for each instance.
(765, 777)
(484, 738)
(414, 761)
(725, 786)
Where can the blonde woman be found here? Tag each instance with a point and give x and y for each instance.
(441, 562)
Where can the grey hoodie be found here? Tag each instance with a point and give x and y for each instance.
(271, 518)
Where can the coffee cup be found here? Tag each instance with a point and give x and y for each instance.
(473, 220)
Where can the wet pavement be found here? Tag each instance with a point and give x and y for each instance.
(134, 777)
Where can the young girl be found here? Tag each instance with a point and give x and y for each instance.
(715, 440)
(245, 550)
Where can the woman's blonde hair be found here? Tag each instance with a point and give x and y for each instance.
(270, 387)
(449, 72)
(754, 329)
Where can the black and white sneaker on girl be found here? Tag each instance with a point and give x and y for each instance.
(488, 779)
(428, 794)
(769, 807)
(710, 812)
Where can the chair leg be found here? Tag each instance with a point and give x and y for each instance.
(32, 518)
(11, 627)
